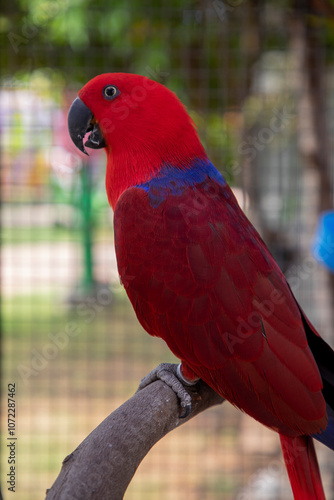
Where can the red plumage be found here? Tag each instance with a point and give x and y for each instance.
(199, 276)
(194, 293)
(302, 466)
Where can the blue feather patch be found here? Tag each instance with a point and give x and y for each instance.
(173, 181)
(327, 436)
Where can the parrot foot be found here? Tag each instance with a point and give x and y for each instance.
(171, 375)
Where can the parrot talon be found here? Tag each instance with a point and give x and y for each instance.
(169, 374)
(187, 411)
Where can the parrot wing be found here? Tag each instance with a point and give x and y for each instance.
(200, 277)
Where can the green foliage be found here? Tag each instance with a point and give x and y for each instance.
(205, 51)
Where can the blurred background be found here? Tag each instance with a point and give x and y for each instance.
(258, 80)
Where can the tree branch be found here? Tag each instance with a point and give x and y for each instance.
(103, 465)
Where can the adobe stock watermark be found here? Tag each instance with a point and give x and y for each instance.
(218, 8)
(265, 308)
(298, 273)
(46, 11)
(254, 322)
(295, 276)
(250, 147)
(269, 478)
(223, 8)
(278, 122)
(42, 355)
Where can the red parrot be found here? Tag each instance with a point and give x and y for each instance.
(198, 274)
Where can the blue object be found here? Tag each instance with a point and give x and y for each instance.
(323, 243)
(326, 437)
(171, 181)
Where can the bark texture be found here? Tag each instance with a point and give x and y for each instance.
(103, 465)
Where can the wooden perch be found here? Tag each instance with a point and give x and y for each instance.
(104, 463)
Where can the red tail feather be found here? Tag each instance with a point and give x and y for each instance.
(302, 466)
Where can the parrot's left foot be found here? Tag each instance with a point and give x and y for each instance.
(172, 376)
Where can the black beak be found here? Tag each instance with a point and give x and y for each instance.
(79, 122)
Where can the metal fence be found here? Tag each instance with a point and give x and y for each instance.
(258, 80)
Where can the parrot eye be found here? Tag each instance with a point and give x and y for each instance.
(110, 92)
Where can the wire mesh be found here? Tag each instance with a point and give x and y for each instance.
(70, 341)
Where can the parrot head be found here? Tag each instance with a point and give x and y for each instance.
(141, 124)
